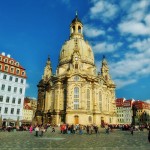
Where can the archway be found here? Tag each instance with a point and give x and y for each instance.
(76, 119)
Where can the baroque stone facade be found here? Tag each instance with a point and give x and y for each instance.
(76, 94)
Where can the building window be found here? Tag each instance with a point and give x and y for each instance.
(6, 68)
(76, 66)
(12, 110)
(18, 111)
(23, 73)
(3, 87)
(76, 98)
(19, 101)
(17, 64)
(12, 62)
(0, 109)
(6, 110)
(88, 99)
(17, 71)
(15, 89)
(22, 80)
(6, 60)
(7, 99)
(1, 98)
(16, 80)
(9, 88)
(11, 69)
(10, 78)
(13, 100)
(20, 90)
(76, 78)
(0, 67)
(5, 76)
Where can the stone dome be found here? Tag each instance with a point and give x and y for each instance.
(76, 43)
(84, 50)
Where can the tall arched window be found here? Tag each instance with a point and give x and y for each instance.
(88, 99)
(100, 101)
(73, 29)
(76, 98)
(79, 29)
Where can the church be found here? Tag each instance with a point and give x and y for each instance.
(77, 93)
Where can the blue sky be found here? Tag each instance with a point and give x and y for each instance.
(30, 30)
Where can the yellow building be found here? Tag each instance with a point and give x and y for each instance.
(76, 94)
(27, 114)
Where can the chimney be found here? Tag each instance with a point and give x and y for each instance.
(8, 55)
(3, 53)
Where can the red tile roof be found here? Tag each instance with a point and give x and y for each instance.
(11, 63)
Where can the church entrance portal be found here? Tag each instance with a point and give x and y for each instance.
(76, 119)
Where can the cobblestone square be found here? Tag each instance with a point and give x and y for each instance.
(116, 140)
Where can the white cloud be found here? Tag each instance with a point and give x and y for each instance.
(148, 101)
(139, 5)
(134, 24)
(134, 28)
(136, 21)
(105, 47)
(130, 68)
(121, 83)
(141, 45)
(103, 10)
(91, 31)
(147, 19)
(110, 29)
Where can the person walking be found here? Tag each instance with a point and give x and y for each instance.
(31, 129)
(37, 131)
(53, 129)
(131, 130)
(41, 130)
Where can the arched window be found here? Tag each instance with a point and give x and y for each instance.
(73, 29)
(100, 101)
(76, 66)
(79, 29)
(88, 99)
(76, 98)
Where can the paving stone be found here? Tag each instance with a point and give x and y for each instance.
(116, 140)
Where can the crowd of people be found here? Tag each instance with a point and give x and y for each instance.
(39, 130)
(73, 129)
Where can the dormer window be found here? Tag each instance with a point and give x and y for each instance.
(23, 73)
(11, 62)
(17, 64)
(0, 58)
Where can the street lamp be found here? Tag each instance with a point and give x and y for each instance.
(134, 109)
(49, 116)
